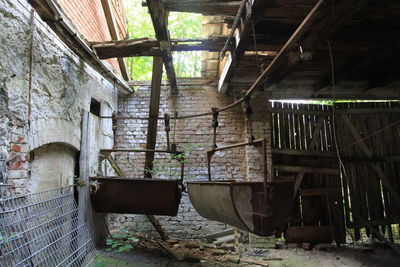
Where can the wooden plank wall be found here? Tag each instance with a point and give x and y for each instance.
(303, 139)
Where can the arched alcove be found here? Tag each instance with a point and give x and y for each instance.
(53, 166)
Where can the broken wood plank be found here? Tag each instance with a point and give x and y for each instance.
(160, 20)
(151, 47)
(170, 251)
(153, 114)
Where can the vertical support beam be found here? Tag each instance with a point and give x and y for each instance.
(159, 18)
(114, 32)
(153, 114)
(94, 221)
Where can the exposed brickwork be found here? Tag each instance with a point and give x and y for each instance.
(89, 19)
(197, 136)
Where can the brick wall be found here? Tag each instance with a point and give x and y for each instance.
(192, 135)
(89, 19)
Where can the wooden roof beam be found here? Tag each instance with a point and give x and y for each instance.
(209, 8)
(160, 23)
(322, 21)
(114, 33)
(385, 50)
(252, 14)
(150, 47)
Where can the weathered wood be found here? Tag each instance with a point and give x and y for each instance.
(292, 168)
(338, 111)
(319, 24)
(377, 169)
(311, 144)
(297, 152)
(94, 221)
(312, 234)
(151, 47)
(210, 8)
(160, 20)
(234, 26)
(320, 191)
(153, 114)
(114, 164)
(381, 237)
(115, 34)
(181, 81)
(255, 12)
(104, 151)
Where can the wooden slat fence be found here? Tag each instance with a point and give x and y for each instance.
(304, 146)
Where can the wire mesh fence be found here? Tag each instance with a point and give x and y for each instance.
(44, 229)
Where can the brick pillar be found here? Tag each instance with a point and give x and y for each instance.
(261, 128)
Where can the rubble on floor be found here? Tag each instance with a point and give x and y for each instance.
(194, 253)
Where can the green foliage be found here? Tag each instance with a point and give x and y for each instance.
(181, 25)
(122, 241)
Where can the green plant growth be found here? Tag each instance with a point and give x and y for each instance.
(122, 241)
(181, 25)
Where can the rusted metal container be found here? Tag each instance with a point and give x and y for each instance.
(136, 196)
(244, 204)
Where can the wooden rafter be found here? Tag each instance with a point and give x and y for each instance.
(114, 32)
(150, 47)
(159, 18)
(205, 7)
(320, 23)
(252, 16)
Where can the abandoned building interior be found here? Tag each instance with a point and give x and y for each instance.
(287, 140)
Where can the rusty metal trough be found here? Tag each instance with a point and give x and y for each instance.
(260, 207)
(136, 196)
(243, 203)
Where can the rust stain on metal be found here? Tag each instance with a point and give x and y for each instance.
(243, 204)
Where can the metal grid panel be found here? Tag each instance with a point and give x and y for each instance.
(44, 229)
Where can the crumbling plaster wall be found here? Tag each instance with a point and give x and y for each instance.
(41, 103)
(195, 136)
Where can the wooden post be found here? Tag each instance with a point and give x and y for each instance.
(153, 114)
(95, 221)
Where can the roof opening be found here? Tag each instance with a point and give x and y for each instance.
(181, 26)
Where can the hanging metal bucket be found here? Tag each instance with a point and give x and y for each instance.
(243, 204)
(136, 196)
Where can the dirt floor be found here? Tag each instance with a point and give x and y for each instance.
(319, 256)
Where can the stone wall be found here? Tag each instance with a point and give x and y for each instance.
(43, 89)
(195, 136)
